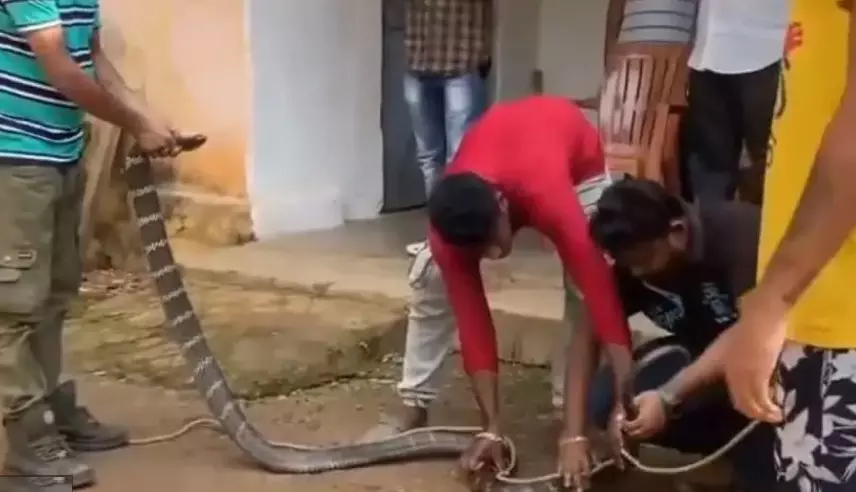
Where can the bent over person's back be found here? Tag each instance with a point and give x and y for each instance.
(536, 163)
(516, 142)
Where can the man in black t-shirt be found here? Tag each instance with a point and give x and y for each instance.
(685, 267)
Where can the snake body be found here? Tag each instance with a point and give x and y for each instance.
(184, 329)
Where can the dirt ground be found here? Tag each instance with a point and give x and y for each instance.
(204, 461)
(335, 406)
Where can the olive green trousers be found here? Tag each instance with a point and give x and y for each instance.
(40, 274)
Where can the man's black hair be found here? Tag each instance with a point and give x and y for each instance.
(631, 212)
(463, 209)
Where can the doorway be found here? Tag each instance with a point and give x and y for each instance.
(403, 187)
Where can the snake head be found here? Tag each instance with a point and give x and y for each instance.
(189, 143)
(185, 143)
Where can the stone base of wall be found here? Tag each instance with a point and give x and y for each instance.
(205, 217)
(115, 242)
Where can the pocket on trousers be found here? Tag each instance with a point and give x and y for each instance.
(19, 295)
(29, 197)
(14, 260)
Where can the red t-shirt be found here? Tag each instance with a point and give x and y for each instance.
(534, 151)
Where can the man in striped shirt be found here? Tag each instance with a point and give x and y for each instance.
(52, 70)
(649, 21)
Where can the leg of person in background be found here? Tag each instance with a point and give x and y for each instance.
(485, 68)
(82, 431)
(462, 102)
(430, 339)
(425, 96)
(815, 448)
(704, 424)
(31, 199)
(715, 137)
(758, 92)
(465, 102)
(684, 158)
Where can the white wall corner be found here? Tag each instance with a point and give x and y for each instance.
(570, 46)
(362, 170)
(314, 153)
(515, 46)
(293, 173)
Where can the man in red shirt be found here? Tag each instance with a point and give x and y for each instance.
(535, 162)
(525, 164)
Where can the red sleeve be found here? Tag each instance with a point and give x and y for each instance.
(461, 274)
(561, 218)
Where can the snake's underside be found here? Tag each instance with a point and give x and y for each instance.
(184, 328)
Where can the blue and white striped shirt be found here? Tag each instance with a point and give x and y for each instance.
(658, 21)
(37, 123)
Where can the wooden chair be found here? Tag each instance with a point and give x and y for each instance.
(639, 112)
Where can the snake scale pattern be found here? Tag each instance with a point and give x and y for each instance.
(184, 329)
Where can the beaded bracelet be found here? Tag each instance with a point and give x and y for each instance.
(572, 440)
(490, 436)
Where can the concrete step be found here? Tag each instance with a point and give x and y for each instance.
(526, 305)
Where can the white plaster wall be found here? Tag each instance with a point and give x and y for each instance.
(315, 147)
(315, 150)
(570, 46)
(516, 43)
(562, 38)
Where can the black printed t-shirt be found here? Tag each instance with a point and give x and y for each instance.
(699, 300)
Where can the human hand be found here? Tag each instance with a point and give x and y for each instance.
(156, 137)
(752, 349)
(487, 451)
(651, 417)
(575, 461)
(794, 37)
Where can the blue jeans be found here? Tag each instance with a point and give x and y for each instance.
(441, 110)
(705, 424)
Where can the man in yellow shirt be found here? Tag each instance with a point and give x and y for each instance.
(800, 320)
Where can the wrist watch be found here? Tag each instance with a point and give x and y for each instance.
(671, 403)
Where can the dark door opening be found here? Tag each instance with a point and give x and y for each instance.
(403, 188)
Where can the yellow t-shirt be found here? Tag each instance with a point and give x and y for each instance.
(812, 85)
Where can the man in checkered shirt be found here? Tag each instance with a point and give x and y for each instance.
(448, 44)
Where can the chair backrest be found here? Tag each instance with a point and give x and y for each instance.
(639, 88)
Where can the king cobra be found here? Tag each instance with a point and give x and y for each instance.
(185, 330)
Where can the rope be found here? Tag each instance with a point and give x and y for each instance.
(501, 476)
(655, 470)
